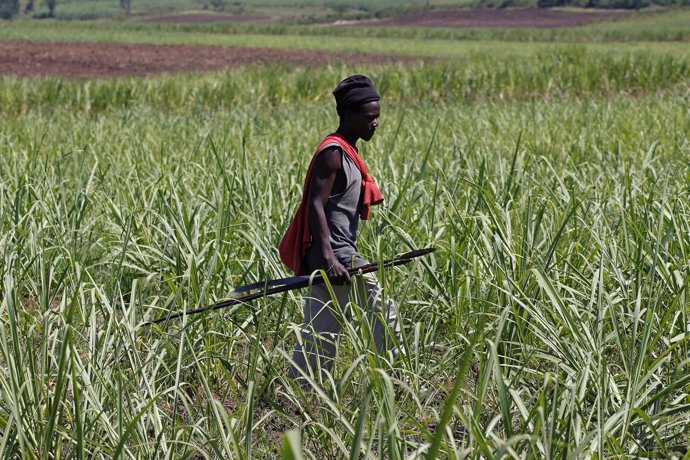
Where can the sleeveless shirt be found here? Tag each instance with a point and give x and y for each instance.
(294, 247)
(342, 215)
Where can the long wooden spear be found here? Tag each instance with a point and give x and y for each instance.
(289, 284)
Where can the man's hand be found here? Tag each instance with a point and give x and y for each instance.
(337, 273)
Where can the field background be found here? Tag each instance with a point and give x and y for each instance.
(548, 166)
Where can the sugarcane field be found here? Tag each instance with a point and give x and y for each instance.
(413, 229)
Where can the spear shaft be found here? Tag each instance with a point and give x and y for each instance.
(294, 283)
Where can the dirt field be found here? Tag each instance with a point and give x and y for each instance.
(532, 18)
(82, 60)
(206, 18)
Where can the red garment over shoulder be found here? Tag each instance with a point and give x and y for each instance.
(298, 237)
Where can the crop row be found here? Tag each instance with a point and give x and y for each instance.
(560, 74)
(551, 321)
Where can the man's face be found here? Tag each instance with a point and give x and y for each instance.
(365, 119)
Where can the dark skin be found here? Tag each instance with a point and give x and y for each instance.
(328, 179)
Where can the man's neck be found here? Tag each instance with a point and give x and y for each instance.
(349, 137)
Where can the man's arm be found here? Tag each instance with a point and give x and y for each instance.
(326, 167)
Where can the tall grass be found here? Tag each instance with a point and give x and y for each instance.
(550, 323)
(496, 43)
(570, 72)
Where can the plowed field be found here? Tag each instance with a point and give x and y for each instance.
(83, 60)
(521, 18)
(206, 18)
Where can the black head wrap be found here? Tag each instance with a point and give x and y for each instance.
(354, 91)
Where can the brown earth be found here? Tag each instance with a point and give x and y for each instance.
(504, 18)
(86, 60)
(206, 18)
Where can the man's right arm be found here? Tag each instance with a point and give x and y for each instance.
(326, 167)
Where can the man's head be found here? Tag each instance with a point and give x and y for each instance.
(357, 103)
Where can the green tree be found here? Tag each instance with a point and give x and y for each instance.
(219, 5)
(126, 5)
(52, 4)
(8, 8)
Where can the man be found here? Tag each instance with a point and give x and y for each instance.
(337, 192)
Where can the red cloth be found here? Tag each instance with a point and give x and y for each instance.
(298, 237)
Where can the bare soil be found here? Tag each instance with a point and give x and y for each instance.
(503, 18)
(88, 60)
(201, 18)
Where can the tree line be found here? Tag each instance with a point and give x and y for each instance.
(11, 8)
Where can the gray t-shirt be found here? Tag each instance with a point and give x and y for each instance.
(342, 215)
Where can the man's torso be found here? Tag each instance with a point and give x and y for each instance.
(342, 214)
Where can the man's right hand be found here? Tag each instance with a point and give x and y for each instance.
(337, 273)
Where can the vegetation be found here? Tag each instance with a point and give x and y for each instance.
(674, 49)
(625, 4)
(307, 10)
(599, 4)
(641, 28)
(658, 26)
(551, 322)
(304, 11)
(573, 72)
(8, 8)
